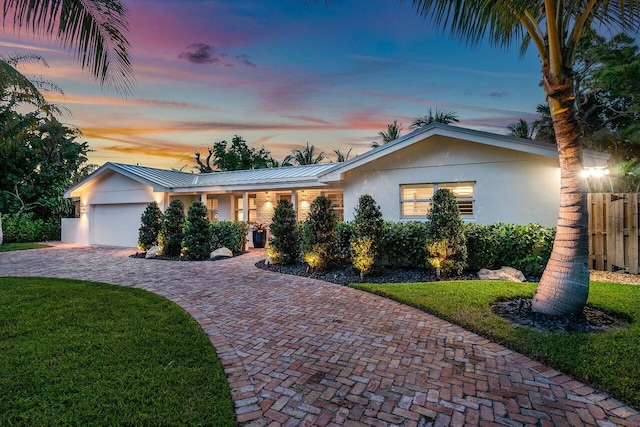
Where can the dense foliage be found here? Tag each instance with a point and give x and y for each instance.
(237, 156)
(445, 225)
(229, 234)
(151, 224)
(283, 243)
(403, 243)
(19, 228)
(318, 234)
(197, 233)
(172, 233)
(525, 247)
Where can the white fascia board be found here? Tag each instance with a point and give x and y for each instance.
(231, 188)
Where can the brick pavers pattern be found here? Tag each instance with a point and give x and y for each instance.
(300, 352)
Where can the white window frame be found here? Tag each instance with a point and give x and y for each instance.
(436, 186)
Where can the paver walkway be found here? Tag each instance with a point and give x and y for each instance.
(304, 352)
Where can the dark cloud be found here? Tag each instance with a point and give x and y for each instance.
(498, 94)
(201, 53)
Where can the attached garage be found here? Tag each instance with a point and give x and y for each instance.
(115, 224)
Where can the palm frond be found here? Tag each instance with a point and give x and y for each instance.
(95, 30)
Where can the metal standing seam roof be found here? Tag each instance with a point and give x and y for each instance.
(176, 179)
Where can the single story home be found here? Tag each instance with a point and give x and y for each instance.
(496, 178)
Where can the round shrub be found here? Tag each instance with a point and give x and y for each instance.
(197, 233)
(150, 228)
(172, 233)
(445, 225)
(283, 243)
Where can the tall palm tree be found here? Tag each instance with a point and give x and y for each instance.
(555, 28)
(307, 156)
(443, 117)
(521, 129)
(95, 30)
(393, 132)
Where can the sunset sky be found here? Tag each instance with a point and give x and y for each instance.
(281, 73)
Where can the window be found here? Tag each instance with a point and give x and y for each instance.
(415, 199)
(252, 208)
(212, 207)
(337, 204)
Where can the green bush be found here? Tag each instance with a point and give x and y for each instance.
(368, 229)
(403, 244)
(151, 224)
(197, 233)
(318, 257)
(172, 233)
(343, 235)
(22, 228)
(318, 235)
(283, 243)
(525, 247)
(229, 234)
(445, 224)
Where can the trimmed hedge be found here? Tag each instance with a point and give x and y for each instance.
(229, 234)
(404, 244)
(525, 247)
(23, 228)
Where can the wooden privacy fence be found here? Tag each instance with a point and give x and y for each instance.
(613, 231)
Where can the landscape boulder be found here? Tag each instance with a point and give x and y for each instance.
(152, 252)
(221, 253)
(505, 273)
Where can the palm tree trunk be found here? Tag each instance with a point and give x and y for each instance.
(564, 286)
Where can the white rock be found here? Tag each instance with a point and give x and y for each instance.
(505, 273)
(221, 252)
(152, 252)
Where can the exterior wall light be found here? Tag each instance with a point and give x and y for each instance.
(595, 172)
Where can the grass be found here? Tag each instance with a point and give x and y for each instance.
(84, 353)
(7, 247)
(608, 361)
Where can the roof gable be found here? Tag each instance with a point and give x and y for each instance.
(455, 132)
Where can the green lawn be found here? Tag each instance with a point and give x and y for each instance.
(608, 361)
(83, 353)
(6, 247)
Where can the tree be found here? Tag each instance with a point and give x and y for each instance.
(172, 233)
(196, 243)
(446, 241)
(555, 29)
(443, 117)
(39, 160)
(317, 246)
(393, 132)
(151, 224)
(283, 243)
(522, 129)
(94, 29)
(341, 157)
(368, 231)
(237, 156)
(306, 156)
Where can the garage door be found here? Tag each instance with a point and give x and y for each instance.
(116, 225)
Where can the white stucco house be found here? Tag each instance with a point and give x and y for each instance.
(496, 178)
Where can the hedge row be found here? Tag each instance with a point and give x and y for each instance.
(22, 228)
(525, 247)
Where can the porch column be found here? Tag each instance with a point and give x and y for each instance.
(203, 198)
(245, 206)
(294, 201)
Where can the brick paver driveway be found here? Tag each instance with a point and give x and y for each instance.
(304, 352)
